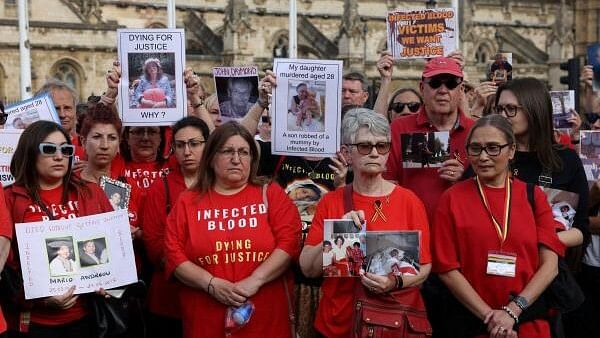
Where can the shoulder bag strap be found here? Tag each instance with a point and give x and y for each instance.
(167, 193)
(530, 196)
(278, 166)
(348, 203)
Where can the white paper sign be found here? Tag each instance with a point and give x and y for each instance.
(24, 113)
(425, 33)
(89, 252)
(151, 90)
(9, 138)
(237, 90)
(307, 105)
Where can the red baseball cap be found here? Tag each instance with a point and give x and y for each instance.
(442, 65)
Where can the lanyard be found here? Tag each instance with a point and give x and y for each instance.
(502, 232)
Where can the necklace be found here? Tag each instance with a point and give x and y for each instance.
(311, 174)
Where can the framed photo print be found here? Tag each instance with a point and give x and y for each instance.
(117, 192)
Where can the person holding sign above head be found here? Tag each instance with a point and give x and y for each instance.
(498, 253)
(383, 205)
(189, 138)
(154, 88)
(230, 240)
(45, 189)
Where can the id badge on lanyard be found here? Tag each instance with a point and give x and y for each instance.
(500, 262)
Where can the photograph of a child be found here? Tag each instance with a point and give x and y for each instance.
(344, 251)
(425, 150)
(594, 60)
(152, 80)
(394, 252)
(92, 252)
(117, 192)
(305, 194)
(306, 107)
(61, 256)
(236, 95)
(500, 70)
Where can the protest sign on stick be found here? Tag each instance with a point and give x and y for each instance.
(9, 138)
(237, 90)
(307, 107)
(90, 253)
(24, 113)
(151, 90)
(427, 33)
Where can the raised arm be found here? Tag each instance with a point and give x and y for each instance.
(250, 121)
(385, 66)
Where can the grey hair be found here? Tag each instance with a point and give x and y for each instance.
(356, 118)
(55, 84)
(356, 76)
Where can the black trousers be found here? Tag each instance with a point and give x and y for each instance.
(77, 329)
(585, 321)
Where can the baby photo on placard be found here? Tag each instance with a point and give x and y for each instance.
(393, 252)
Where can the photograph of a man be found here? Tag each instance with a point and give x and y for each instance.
(60, 254)
(237, 95)
(92, 252)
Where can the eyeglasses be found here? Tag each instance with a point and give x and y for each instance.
(475, 149)
(51, 149)
(192, 143)
(140, 132)
(229, 153)
(449, 82)
(509, 110)
(398, 107)
(366, 148)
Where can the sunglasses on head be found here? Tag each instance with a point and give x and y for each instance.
(449, 82)
(51, 149)
(399, 106)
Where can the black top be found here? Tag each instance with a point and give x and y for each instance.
(528, 168)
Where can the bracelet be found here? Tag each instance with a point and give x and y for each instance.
(511, 314)
(210, 284)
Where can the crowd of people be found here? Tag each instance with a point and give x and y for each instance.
(226, 232)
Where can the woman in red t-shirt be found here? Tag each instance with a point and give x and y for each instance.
(189, 136)
(494, 251)
(230, 240)
(44, 189)
(385, 207)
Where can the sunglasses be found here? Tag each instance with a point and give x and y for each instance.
(437, 82)
(51, 149)
(366, 148)
(398, 107)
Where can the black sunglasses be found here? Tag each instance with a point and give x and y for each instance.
(398, 107)
(449, 82)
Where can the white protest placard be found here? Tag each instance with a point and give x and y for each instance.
(237, 90)
(24, 113)
(307, 107)
(90, 252)
(9, 138)
(425, 33)
(151, 90)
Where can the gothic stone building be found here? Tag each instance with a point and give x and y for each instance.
(75, 40)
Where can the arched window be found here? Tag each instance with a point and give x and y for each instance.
(281, 46)
(157, 25)
(68, 72)
(483, 54)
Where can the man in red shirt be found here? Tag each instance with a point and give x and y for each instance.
(441, 87)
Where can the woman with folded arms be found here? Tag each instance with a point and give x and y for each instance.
(494, 251)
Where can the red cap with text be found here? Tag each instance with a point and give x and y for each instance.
(442, 65)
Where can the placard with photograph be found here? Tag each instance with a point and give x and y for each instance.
(564, 206)
(24, 113)
(589, 142)
(237, 90)
(501, 69)
(307, 105)
(425, 150)
(152, 90)
(594, 60)
(9, 138)
(563, 101)
(117, 192)
(89, 252)
(424, 33)
(344, 248)
(394, 252)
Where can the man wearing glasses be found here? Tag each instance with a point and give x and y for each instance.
(441, 87)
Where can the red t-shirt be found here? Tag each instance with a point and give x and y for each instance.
(52, 199)
(230, 236)
(404, 212)
(5, 231)
(79, 151)
(463, 234)
(425, 182)
(144, 173)
(162, 295)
